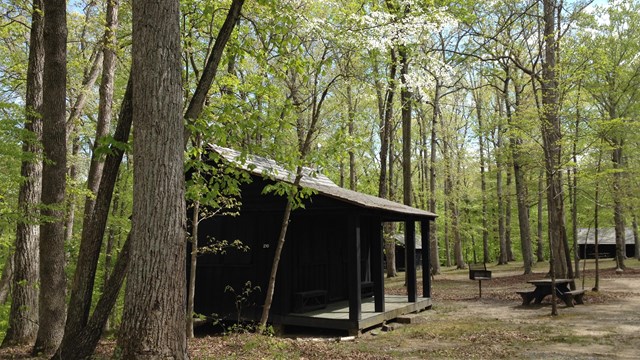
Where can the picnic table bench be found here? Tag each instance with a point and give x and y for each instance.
(543, 288)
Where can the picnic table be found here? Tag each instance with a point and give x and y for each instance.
(543, 288)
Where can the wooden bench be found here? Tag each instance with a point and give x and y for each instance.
(574, 295)
(309, 300)
(527, 296)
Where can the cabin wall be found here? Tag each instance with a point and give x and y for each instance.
(314, 256)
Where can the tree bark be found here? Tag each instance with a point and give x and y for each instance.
(515, 142)
(84, 279)
(154, 321)
(552, 145)
(483, 181)
(635, 237)
(539, 228)
(23, 316)
(6, 280)
(433, 234)
(52, 257)
(94, 228)
(85, 341)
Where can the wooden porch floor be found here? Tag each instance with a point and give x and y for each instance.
(336, 315)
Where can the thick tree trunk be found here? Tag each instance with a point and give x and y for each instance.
(552, 144)
(52, 257)
(23, 318)
(502, 259)
(154, 318)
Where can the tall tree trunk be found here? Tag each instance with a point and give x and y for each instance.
(635, 237)
(502, 259)
(539, 227)
(94, 227)
(483, 178)
(194, 110)
(573, 193)
(552, 144)
(23, 316)
(83, 282)
(52, 258)
(6, 280)
(85, 341)
(351, 114)
(71, 198)
(515, 142)
(154, 321)
(507, 217)
(386, 114)
(618, 206)
(405, 100)
(433, 234)
(196, 105)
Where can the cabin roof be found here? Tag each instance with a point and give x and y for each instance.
(399, 238)
(314, 180)
(606, 236)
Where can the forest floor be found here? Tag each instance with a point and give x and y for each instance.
(462, 326)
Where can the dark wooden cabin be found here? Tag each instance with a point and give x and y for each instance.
(400, 251)
(331, 272)
(606, 243)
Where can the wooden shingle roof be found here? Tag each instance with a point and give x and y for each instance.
(316, 181)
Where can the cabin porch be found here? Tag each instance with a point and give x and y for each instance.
(336, 315)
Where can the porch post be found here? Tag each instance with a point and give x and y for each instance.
(354, 276)
(426, 259)
(410, 246)
(377, 259)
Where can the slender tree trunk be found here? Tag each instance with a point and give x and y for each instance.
(52, 257)
(154, 318)
(507, 217)
(515, 142)
(596, 286)
(23, 316)
(85, 341)
(618, 206)
(196, 105)
(502, 259)
(433, 234)
(573, 193)
(83, 282)
(6, 280)
(483, 179)
(539, 232)
(351, 108)
(71, 198)
(94, 228)
(635, 237)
